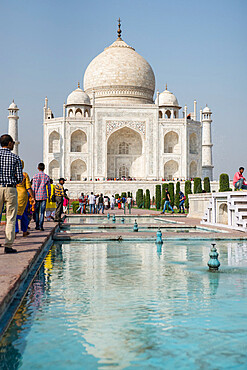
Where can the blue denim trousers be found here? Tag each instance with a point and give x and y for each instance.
(101, 206)
(181, 205)
(239, 184)
(167, 203)
(40, 212)
(91, 208)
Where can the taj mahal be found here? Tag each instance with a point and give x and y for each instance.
(114, 128)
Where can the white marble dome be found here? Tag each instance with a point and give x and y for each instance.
(119, 74)
(168, 99)
(206, 110)
(13, 105)
(78, 97)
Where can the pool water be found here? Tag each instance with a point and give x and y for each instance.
(122, 228)
(105, 220)
(120, 305)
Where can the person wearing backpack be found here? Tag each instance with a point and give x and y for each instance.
(182, 198)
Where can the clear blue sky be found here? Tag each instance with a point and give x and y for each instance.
(198, 47)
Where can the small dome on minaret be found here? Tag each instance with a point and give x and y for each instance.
(13, 106)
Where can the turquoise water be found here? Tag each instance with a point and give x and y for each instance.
(122, 228)
(105, 220)
(119, 305)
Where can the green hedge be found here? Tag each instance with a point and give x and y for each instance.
(158, 196)
(206, 185)
(171, 192)
(163, 195)
(187, 191)
(197, 185)
(116, 196)
(224, 182)
(147, 199)
(177, 196)
(75, 205)
(128, 194)
(139, 198)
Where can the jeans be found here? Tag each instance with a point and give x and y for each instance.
(167, 203)
(101, 205)
(91, 208)
(239, 184)
(40, 208)
(80, 208)
(181, 205)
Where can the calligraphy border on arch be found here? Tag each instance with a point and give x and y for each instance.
(112, 126)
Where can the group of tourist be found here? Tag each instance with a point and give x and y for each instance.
(25, 199)
(96, 203)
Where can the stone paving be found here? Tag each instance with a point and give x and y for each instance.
(14, 267)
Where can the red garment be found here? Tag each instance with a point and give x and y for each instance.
(237, 177)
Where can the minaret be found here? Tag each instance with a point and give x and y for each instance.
(207, 162)
(13, 125)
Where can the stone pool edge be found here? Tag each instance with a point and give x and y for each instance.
(11, 301)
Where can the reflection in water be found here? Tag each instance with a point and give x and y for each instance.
(131, 305)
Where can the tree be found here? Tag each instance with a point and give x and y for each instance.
(75, 206)
(128, 194)
(144, 200)
(164, 186)
(147, 199)
(158, 196)
(206, 185)
(224, 182)
(116, 196)
(197, 185)
(139, 198)
(187, 191)
(123, 195)
(177, 196)
(171, 192)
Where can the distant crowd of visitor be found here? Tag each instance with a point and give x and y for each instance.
(94, 203)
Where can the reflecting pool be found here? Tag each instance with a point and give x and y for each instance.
(126, 305)
(127, 220)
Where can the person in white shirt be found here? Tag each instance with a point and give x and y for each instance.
(91, 201)
(112, 202)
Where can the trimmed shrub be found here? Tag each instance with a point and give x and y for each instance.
(144, 200)
(75, 206)
(197, 185)
(171, 191)
(224, 182)
(206, 185)
(147, 199)
(153, 200)
(187, 191)
(177, 196)
(158, 196)
(116, 196)
(163, 195)
(128, 194)
(139, 198)
(123, 194)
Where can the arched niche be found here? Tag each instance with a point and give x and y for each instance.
(78, 113)
(70, 113)
(160, 114)
(193, 144)
(171, 170)
(78, 170)
(54, 170)
(168, 114)
(54, 142)
(193, 169)
(124, 154)
(86, 113)
(223, 214)
(78, 142)
(171, 142)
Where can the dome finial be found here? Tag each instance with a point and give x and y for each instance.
(119, 31)
(78, 84)
(166, 86)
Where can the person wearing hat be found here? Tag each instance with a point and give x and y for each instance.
(59, 195)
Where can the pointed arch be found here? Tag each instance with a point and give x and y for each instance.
(171, 170)
(78, 112)
(54, 170)
(193, 144)
(78, 170)
(171, 142)
(54, 142)
(78, 141)
(193, 169)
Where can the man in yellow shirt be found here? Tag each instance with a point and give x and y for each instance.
(59, 195)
